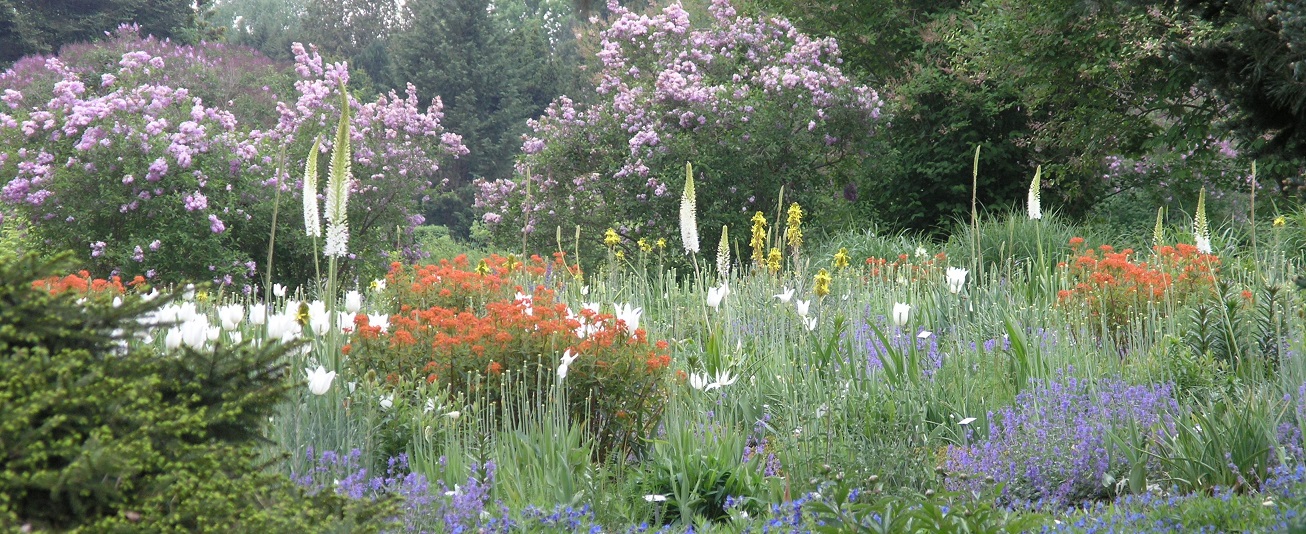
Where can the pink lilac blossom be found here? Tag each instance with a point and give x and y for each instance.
(666, 84)
(155, 114)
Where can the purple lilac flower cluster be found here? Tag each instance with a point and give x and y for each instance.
(1055, 445)
(134, 141)
(670, 91)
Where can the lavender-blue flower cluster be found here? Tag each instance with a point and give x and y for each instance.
(1054, 445)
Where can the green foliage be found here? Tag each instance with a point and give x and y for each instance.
(103, 438)
(925, 176)
(1014, 240)
(701, 463)
(1227, 443)
(851, 511)
(1248, 54)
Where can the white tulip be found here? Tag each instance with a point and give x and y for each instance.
(717, 294)
(901, 313)
(784, 297)
(195, 333)
(231, 315)
(567, 358)
(319, 380)
(382, 320)
(630, 316)
(956, 279)
(698, 381)
(173, 339)
(258, 314)
(803, 306)
(353, 301)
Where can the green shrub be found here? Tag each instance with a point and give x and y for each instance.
(100, 437)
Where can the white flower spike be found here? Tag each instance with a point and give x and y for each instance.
(1034, 206)
(689, 213)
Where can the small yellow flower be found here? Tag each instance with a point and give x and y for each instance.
(1280, 221)
(510, 262)
(482, 268)
(841, 259)
(621, 254)
(758, 242)
(773, 260)
(301, 315)
(202, 296)
(821, 284)
(662, 243)
(794, 230)
(611, 239)
(644, 245)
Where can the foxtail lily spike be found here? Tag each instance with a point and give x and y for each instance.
(1034, 205)
(689, 213)
(1201, 229)
(337, 201)
(312, 220)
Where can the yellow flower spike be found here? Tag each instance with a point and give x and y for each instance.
(773, 260)
(644, 245)
(1280, 221)
(621, 254)
(758, 242)
(482, 268)
(841, 259)
(821, 284)
(794, 230)
(611, 239)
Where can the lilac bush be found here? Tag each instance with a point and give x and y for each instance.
(752, 102)
(154, 158)
(1055, 445)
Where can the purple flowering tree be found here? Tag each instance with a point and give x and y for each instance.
(752, 102)
(154, 158)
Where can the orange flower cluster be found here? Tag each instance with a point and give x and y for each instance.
(1112, 284)
(474, 348)
(453, 284)
(82, 283)
(903, 267)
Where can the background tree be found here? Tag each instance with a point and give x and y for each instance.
(1252, 54)
(494, 65)
(270, 26)
(42, 27)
